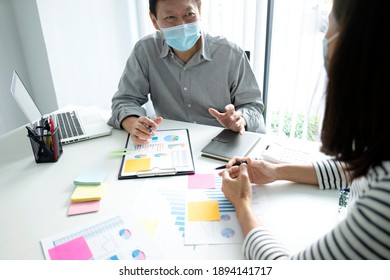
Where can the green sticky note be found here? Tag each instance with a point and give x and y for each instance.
(90, 178)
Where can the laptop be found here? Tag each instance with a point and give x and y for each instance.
(74, 126)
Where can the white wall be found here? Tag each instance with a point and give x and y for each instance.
(88, 45)
(22, 49)
(11, 56)
(66, 52)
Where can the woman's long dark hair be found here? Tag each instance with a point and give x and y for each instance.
(356, 126)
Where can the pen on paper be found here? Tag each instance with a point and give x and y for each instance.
(237, 163)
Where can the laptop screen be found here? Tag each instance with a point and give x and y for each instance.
(24, 99)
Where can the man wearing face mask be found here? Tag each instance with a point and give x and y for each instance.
(191, 76)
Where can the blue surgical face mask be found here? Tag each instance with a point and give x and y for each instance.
(182, 37)
(325, 43)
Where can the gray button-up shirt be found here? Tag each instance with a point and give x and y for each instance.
(218, 75)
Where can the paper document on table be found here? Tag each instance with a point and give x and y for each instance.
(210, 217)
(114, 238)
(168, 153)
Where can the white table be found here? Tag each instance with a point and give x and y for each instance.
(34, 198)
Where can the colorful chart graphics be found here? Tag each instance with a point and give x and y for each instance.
(225, 217)
(171, 138)
(227, 232)
(170, 153)
(176, 146)
(199, 228)
(216, 194)
(125, 234)
(141, 156)
(161, 155)
(109, 239)
(223, 203)
(176, 200)
(152, 147)
(138, 255)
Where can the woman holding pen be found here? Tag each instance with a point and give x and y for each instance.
(355, 132)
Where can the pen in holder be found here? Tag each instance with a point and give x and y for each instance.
(45, 143)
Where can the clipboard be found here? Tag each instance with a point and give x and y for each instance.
(168, 153)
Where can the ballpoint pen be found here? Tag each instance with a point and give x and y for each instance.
(53, 138)
(237, 163)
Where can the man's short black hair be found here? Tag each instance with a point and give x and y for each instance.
(153, 3)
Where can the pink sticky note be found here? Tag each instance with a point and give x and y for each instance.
(83, 207)
(76, 249)
(201, 181)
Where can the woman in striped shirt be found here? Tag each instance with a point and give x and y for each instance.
(355, 133)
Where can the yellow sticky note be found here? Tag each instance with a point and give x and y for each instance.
(137, 164)
(150, 226)
(202, 211)
(87, 193)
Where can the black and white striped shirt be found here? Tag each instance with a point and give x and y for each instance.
(363, 234)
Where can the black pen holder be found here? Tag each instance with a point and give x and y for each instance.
(46, 146)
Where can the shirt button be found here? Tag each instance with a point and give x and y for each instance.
(185, 88)
(189, 105)
(195, 122)
(185, 68)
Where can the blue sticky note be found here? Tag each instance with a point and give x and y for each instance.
(90, 178)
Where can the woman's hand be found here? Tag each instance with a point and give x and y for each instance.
(259, 172)
(238, 190)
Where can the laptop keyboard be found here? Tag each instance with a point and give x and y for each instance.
(69, 125)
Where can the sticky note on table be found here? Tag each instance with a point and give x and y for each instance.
(75, 249)
(203, 211)
(201, 181)
(137, 164)
(87, 193)
(90, 178)
(83, 207)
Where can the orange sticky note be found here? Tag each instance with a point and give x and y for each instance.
(203, 211)
(137, 164)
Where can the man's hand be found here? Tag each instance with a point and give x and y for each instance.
(141, 129)
(231, 119)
